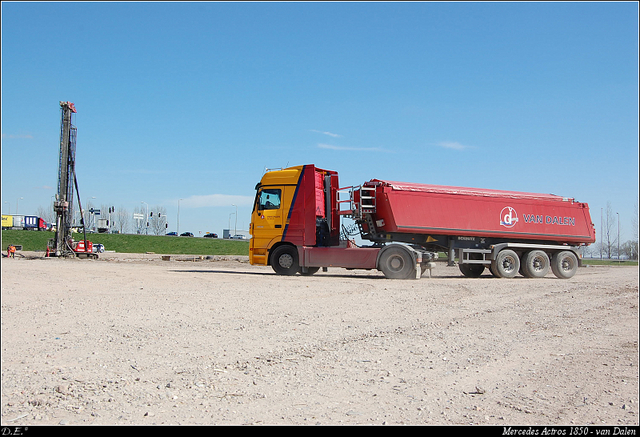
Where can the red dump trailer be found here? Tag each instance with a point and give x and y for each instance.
(507, 231)
(295, 226)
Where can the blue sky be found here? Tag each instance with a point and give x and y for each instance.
(193, 101)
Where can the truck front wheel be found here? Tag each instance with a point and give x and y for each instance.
(397, 263)
(284, 260)
(564, 264)
(506, 264)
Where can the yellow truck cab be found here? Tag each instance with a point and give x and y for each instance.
(274, 197)
(295, 224)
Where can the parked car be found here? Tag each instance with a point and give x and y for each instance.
(238, 237)
(210, 235)
(172, 233)
(186, 234)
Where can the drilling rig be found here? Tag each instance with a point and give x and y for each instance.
(62, 245)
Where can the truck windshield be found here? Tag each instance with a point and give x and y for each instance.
(269, 199)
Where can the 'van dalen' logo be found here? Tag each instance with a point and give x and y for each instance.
(508, 217)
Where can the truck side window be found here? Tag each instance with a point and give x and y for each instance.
(269, 199)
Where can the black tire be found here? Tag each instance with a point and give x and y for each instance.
(284, 260)
(506, 264)
(397, 263)
(535, 264)
(310, 271)
(492, 269)
(471, 270)
(564, 264)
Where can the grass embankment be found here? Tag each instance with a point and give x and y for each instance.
(608, 262)
(125, 243)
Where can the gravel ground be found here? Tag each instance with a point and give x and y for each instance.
(138, 340)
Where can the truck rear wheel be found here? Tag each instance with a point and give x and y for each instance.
(535, 264)
(564, 264)
(506, 264)
(397, 263)
(284, 260)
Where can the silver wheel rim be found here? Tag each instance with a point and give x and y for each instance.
(567, 264)
(395, 263)
(508, 264)
(538, 264)
(285, 261)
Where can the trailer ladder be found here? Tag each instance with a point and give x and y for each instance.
(361, 201)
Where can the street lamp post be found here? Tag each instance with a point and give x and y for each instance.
(178, 227)
(618, 236)
(17, 200)
(146, 218)
(7, 202)
(235, 229)
(229, 224)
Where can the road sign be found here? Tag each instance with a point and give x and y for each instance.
(138, 216)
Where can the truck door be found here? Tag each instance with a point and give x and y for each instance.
(267, 222)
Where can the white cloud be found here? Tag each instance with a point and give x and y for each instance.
(359, 149)
(23, 137)
(452, 145)
(327, 133)
(216, 200)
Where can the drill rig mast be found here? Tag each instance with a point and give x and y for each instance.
(62, 244)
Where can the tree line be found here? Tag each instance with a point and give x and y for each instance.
(120, 220)
(609, 245)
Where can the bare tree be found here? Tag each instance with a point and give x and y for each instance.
(46, 214)
(634, 223)
(158, 220)
(121, 220)
(633, 244)
(77, 214)
(630, 249)
(609, 238)
(140, 226)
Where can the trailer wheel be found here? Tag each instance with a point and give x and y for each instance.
(397, 263)
(492, 269)
(564, 264)
(535, 264)
(472, 270)
(284, 260)
(506, 264)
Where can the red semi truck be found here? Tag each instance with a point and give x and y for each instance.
(296, 227)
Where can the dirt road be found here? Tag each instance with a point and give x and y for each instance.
(133, 339)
